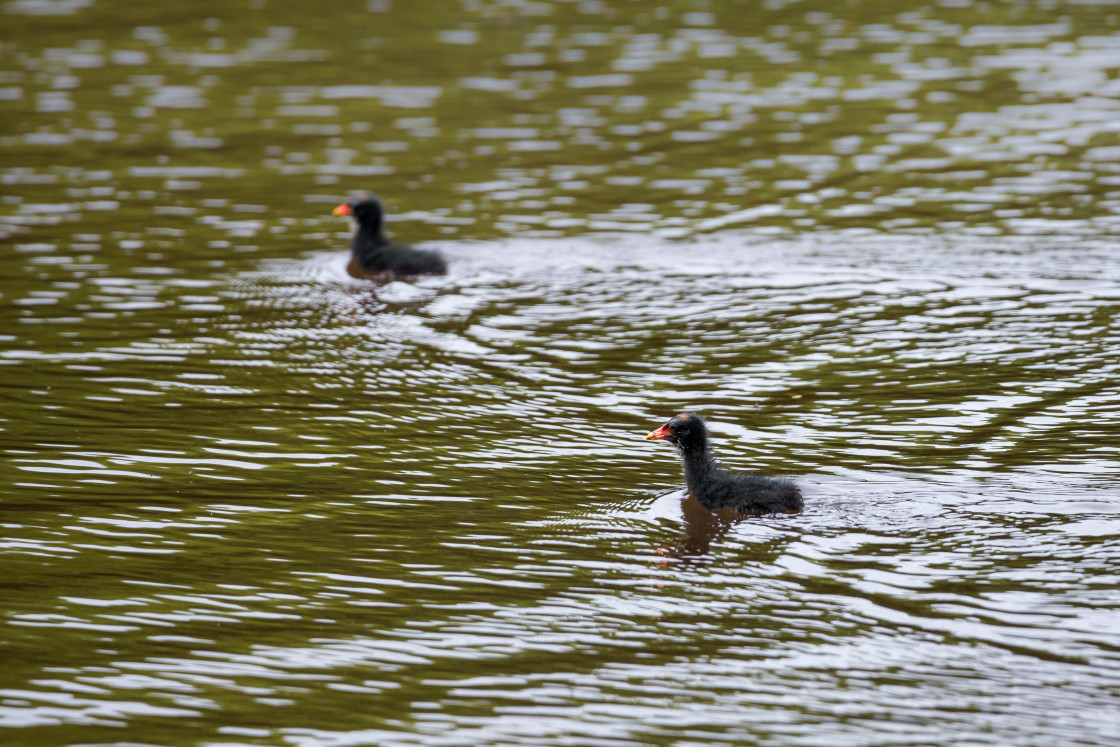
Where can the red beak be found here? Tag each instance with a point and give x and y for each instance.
(659, 435)
(342, 209)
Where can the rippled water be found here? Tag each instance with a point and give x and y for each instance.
(246, 499)
(359, 513)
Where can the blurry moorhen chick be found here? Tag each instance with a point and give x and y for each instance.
(371, 252)
(715, 488)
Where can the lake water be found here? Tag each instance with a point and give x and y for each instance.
(247, 499)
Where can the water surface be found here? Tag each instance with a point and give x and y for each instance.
(247, 499)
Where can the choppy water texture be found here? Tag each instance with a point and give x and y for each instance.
(246, 499)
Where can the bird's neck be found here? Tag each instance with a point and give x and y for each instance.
(699, 464)
(368, 242)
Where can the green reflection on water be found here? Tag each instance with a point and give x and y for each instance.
(550, 118)
(154, 157)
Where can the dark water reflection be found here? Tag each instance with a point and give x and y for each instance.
(247, 499)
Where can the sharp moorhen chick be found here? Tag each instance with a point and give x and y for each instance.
(714, 487)
(371, 252)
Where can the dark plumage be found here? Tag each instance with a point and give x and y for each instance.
(715, 488)
(372, 252)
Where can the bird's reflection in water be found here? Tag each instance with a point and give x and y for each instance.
(702, 528)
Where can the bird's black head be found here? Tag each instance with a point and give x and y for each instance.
(366, 210)
(685, 431)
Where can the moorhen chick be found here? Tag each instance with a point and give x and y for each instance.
(371, 252)
(715, 488)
